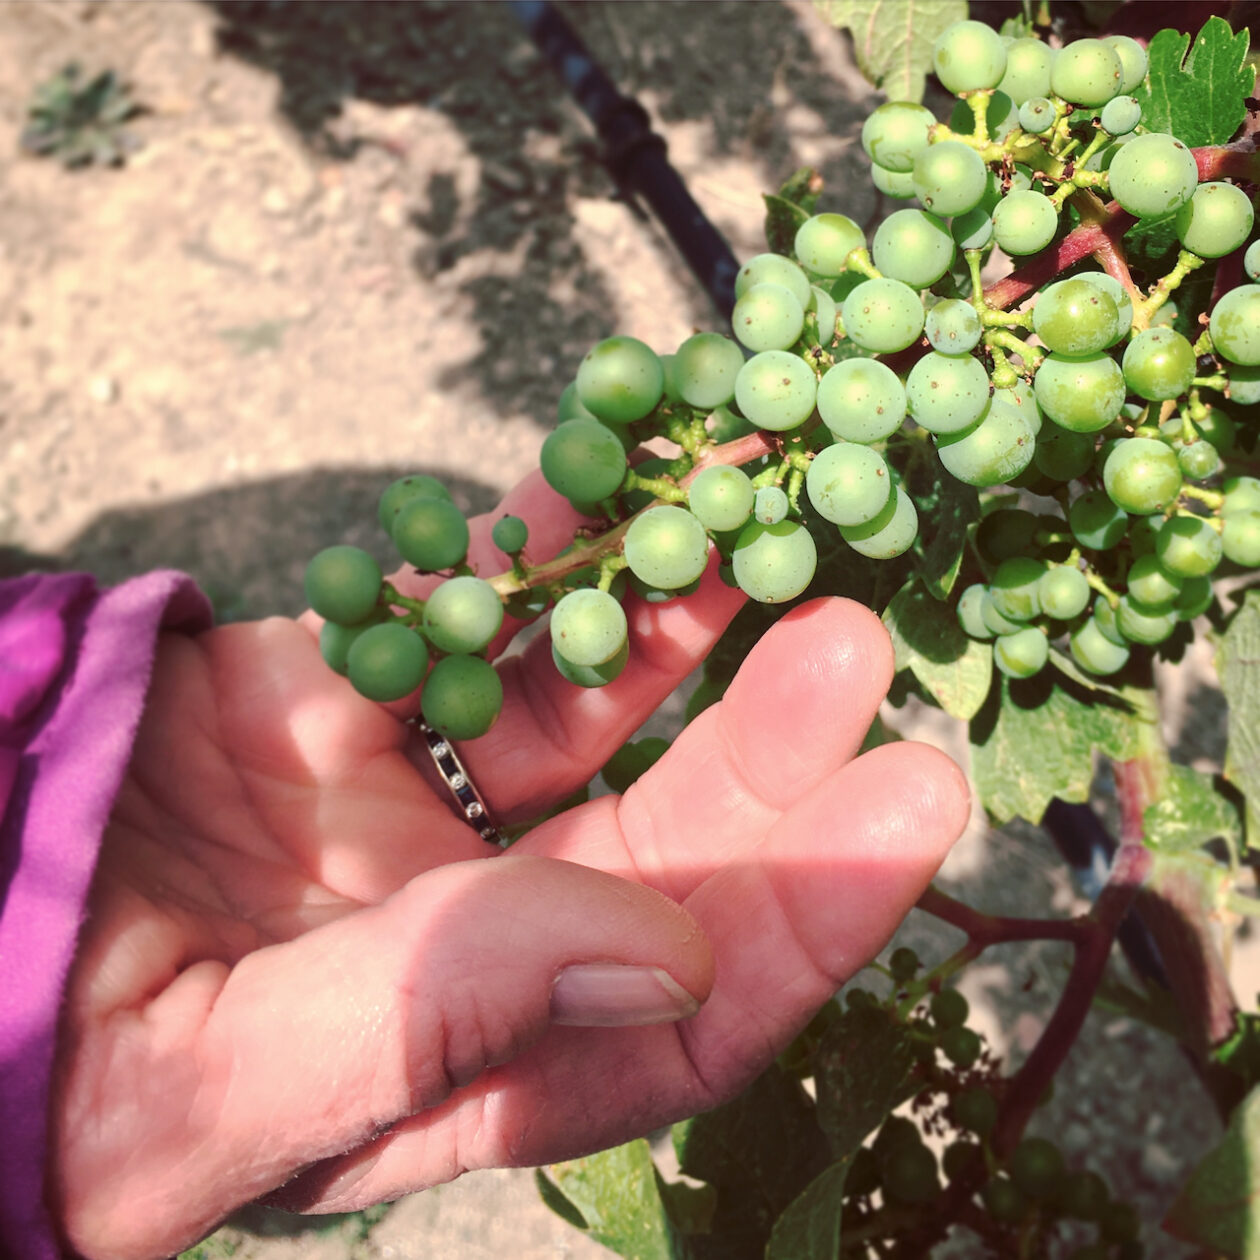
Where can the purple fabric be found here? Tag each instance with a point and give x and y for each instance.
(75, 664)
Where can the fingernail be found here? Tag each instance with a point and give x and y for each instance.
(611, 995)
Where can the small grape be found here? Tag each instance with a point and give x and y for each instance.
(582, 460)
(995, 621)
(432, 534)
(1022, 654)
(962, 1046)
(1139, 624)
(336, 641)
(861, 400)
(1063, 592)
(1083, 393)
(1216, 220)
(1083, 1196)
(1093, 651)
(342, 584)
(1024, 223)
(895, 133)
(773, 269)
(387, 662)
(824, 241)
(1000, 446)
(705, 368)
(1063, 455)
(462, 697)
(1235, 326)
(463, 615)
(767, 317)
(903, 964)
(970, 618)
(721, 497)
(1037, 115)
(620, 379)
(1014, 587)
(823, 307)
(1151, 584)
(947, 393)
(666, 547)
(1158, 364)
(969, 56)
(1195, 598)
(1188, 546)
(1153, 175)
(770, 505)
(1244, 385)
(1006, 532)
(1120, 115)
(1242, 494)
(914, 247)
(1132, 60)
(1024, 400)
(1028, 63)
(1037, 1167)
(1076, 317)
(884, 315)
(896, 184)
(948, 1008)
(889, 534)
(1087, 72)
(774, 563)
(953, 327)
(1004, 1201)
(1097, 522)
(776, 390)
(972, 230)
(1142, 475)
(1240, 539)
(725, 425)
(975, 1109)
(1198, 460)
(949, 178)
(910, 1176)
(588, 627)
(848, 484)
(1251, 260)
(1118, 294)
(570, 406)
(510, 534)
(591, 676)
(397, 493)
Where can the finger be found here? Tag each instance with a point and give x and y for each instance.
(789, 924)
(234, 1080)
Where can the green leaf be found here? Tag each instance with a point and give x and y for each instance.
(1218, 1209)
(953, 668)
(1036, 739)
(893, 38)
(783, 217)
(1189, 813)
(1238, 667)
(553, 1197)
(810, 1228)
(1240, 1052)
(954, 508)
(865, 1069)
(1199, 97)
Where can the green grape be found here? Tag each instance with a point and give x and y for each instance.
(1037, 1167)
(397, 493)
(1251, 260)
(968, 56)
(1244, 384)
(1101, 159)
(1140, 624)
(432, 534)
(721, 497)
(705, 367)
(570, 406)
(953, 327)
(824, 309)
(970, 617)
(960, 1160)
(1087, 72)
(1104, 617)
(962, 1046)
(914, 247)
(666, 547)
(898, 184)
(1151, 585)
(1000, 446)
(588, 627)
(336, 641)
(887, 535)
(1063, 592)
(1218, 428)
(895, 134)
(510, 534)
(387, 662)
(1215, 221)
(910, 1176)
(1158, 364)
(1242, 494)
(947, 393)
(1028, 63)
(1188, 546)
(1096, 522)
(620, 380)
(1037, 115)
(1198, 460)
(1076, 317)
(903, 965)
(1006, 532)
(767, 317)
(462, 697)
(1083, 393)
(1063, 455)
(997, 622)
(1132, 60)
(776, 390)
(1004, 1201)
(883, 316)
(1024, 400)
(583, 460)
(1195, 598)
(671, 392)
(1024, 223)
(770, 505)
(861, 400)
(975, 1109)
(725, 425)
(1093, 651)
(972, 230)
(1120, 115)
(774, 563)
(949, 178)
(1142, 475)
(1240, 539)
(463, 615)
(342, 584)
(1235, 327)
(1083, 1196)
(1142, 532)
(657, 595)
(592, 675)
(1014, 587)
(848, 484)
(773, 269)
(824, 241)
(1022, 654)
(1118, 294)
(948, 1008)
(1153, 175)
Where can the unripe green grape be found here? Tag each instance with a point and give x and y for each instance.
(848, 484)
(1014, 587)
(1006, 532)
(1195, 598)
(582, 460)
(889, 534)
(970, 618)
(510, 534)
(1087, 72)
(962, 1046)
(767, 317)
(342, 584)
(1083, 393)
(776, 390)
(620, 379)
(721, 497)
(655, 594)
(1037, 115)
(1235, 326)
(1094, 652)
(1076, 317)
(1133, 60)
(1140, 624)
(910, 1176)
(1244, 383)
(1188, 546)
(1217, 427)
(432, 534)
(1150, 584)
(1037, 1167)
(1142, 475)
(1063, 455)
(995, 621)
(1198, 460)
(903, 966)
(1022, 397)
(773, 269)
(974, 1109)
(967, 56)
(1118, 294)
(463, 615)
(770, 505)
(1242, 494)
(1000, 446)
(1022, 654)
(570, 406)
(824, 241)
(670, 394)
(387, 662)
(914, 247)
(898, 184)
(1097, 522)
(823, 307)
(1101, 159)
(1028, 63)
(588, 627)
(1153, 175)
(895, 133)
(705, 367)
(1240, 539)
(1083, 1196)
(949, 178)
(774, 563)
(1251, 260)
(1004, 1202)
(883, 316)
(953, 327)
(666, 547)
(1158, 364)
(1024, 223)
(1063, 592)
(1120, 115)
(725, 425)
(397, 493)
(948, 1008)
(336, 641)
(462, 697)
(947, 393)
(972, 230)
(1142, 533)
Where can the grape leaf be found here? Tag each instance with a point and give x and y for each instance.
(810, 1228)
(1199, 97)
(893, 38)
(953, 509)
(1036, 739)
(953, 668)
(1238, 667)
(1189, 813)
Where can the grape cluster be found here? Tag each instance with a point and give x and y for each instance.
(857, 365)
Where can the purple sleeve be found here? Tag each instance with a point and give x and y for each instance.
(75, 663)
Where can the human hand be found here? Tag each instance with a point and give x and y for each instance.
(301, 976)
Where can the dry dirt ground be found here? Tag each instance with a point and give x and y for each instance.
(366, 239)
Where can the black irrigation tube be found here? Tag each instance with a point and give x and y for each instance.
(635, 155)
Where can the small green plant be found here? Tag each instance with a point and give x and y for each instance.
(79, 122)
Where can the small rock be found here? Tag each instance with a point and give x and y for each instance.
(103, 389)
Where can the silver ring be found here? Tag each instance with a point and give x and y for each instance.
(471, 806)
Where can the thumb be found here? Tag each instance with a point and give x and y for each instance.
(314, 1046)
